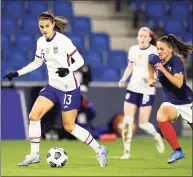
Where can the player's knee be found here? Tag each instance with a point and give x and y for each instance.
(143, 121)
(69, 127)
(161, 118)
(33, 116)
(128, 120)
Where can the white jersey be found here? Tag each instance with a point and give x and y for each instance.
(139, 58)
(56, 53)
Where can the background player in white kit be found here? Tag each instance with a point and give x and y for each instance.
(139, 94)
(55, 49)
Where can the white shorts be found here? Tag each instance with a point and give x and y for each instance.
(184, 110)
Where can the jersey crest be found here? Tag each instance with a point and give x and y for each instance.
(47, 51)
(55, 49)
(169, 68)
(139, 56)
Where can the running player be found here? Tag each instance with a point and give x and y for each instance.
(177, 96)
(55, 49)
(139, 94)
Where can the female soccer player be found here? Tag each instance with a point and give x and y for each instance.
(177, 96)
(139, 94)
(55, 49)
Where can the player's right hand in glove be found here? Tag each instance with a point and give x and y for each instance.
(62, 72)
(11, 75)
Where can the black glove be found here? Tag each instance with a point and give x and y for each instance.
(62, 72)
(11, 75)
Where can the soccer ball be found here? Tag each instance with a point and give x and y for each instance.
(57, 157)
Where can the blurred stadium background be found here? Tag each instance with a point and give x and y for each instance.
(103, 31)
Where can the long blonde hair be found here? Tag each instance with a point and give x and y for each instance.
(60, 22)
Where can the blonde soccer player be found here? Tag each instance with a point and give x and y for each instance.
(56, 50)
(139, 94)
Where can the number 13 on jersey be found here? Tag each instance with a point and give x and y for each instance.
(70, 100)
(67, 99)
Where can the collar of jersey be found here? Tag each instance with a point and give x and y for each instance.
(144, 48)
(49, 40)
(168, 60)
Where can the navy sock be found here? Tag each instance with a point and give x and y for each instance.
(178, 149)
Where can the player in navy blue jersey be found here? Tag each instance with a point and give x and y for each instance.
(177, 96)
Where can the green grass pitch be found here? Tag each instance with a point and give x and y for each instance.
(145, 161)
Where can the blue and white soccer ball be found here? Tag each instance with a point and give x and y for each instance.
(57, 157)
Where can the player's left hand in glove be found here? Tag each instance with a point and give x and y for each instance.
(11, 75)
(62, 72)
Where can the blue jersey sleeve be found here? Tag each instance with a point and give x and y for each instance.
(178, 66)
(154, 59)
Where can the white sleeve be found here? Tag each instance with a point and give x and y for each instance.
(38, 49)
(69, 47)
(71, 51)
(78, 62)
(131, 57)
(31, 67)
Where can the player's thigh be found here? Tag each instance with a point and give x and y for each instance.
(146, 103)
(167, 113)
(131, 103)
(69, 117)
(144, 114)
(41, 106)
(129, 109)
